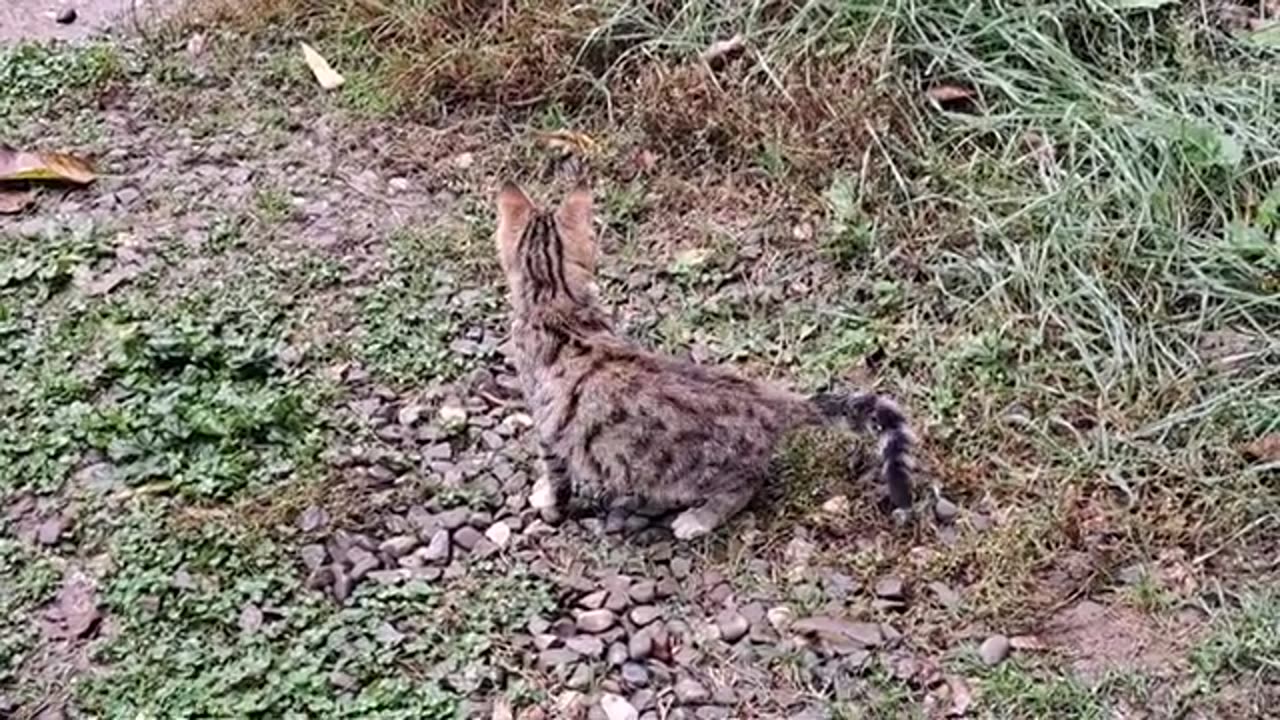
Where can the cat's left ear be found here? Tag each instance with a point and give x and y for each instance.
(574, 218)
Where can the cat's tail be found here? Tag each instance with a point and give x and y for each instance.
(860, 411)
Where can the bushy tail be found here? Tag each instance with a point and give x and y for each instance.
(896, 438)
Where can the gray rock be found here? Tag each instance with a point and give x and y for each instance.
(712, 712)
(342, 585)
(556, 658)
(890, 588)
(643, 699)
(640, 645)
(312, 519)
(362, 561)
(389, 577)
(580, 679)
(691, 692)
(596, 621)
(732, 625)
(617, 654)
(586, 645)
(617, 601)
(994, 650)
(467, 537)
(947, 597)
(398, 546)
(681, 567)
(595, 600)
(840, 632)
(453, 519)
(437, 551)
(50, 531)
(945, 510)
(645, 614)
(642, 592)
(635, 675)
(616, 707)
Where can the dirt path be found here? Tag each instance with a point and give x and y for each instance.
(37, 19)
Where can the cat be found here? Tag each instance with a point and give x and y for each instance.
(616, 420)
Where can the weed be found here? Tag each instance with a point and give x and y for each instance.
(1244, 640)
(35, 77)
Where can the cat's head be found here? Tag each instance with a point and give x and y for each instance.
(548, 256)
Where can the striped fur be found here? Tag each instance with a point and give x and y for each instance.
(615, 419)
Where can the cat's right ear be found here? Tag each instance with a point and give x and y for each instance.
(514, 211)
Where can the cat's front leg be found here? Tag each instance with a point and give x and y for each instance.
(553, 489)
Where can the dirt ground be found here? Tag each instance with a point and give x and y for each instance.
(37, 19)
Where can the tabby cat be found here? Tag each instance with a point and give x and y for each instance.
(615, 420)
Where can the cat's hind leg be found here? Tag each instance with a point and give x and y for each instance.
(702, 519)
(554, 489)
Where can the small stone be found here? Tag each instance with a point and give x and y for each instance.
(399, 546)
(617, 601)
(585, 645)
(643, 592)
(555, 658)
(640, 645)
(616, 654)
(890, 588)
(733, 627)
(712, 712)
(596, 621)
(634, 675)
(342, 585)
(643, 699)
(67, 16)
(580, 678)
(994, 650)
(389, 577)
(616, 707)
(945, 510)
(312, 519)
(681, 567)
(595, 600)
(467, 537)
(454, 519)
(667, 587)
(50, 531)
(691, 692)
(499, 533)
(436, 551)
(645, 614)
(362, 561)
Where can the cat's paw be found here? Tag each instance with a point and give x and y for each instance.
(543, 496)
(689, 525)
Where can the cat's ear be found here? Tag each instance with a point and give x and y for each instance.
(514, 211)
(574, 220)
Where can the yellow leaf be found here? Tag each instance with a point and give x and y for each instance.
(328, 78)
(569, 142)
(18, 165)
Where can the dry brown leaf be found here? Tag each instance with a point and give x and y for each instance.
(948, 93)
(1027, 642)
(569, 142)
(22, 166)
(328, 78)
(723, 48)
(15, 201)
(1265, 448)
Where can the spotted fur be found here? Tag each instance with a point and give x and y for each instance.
(615, 419)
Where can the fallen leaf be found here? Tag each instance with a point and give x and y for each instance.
(15, 201)
(723, 48)
(20, 165)
(1265, 448)
(948, 93)
(328, 78)
(569, 141)
(1027, 642)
